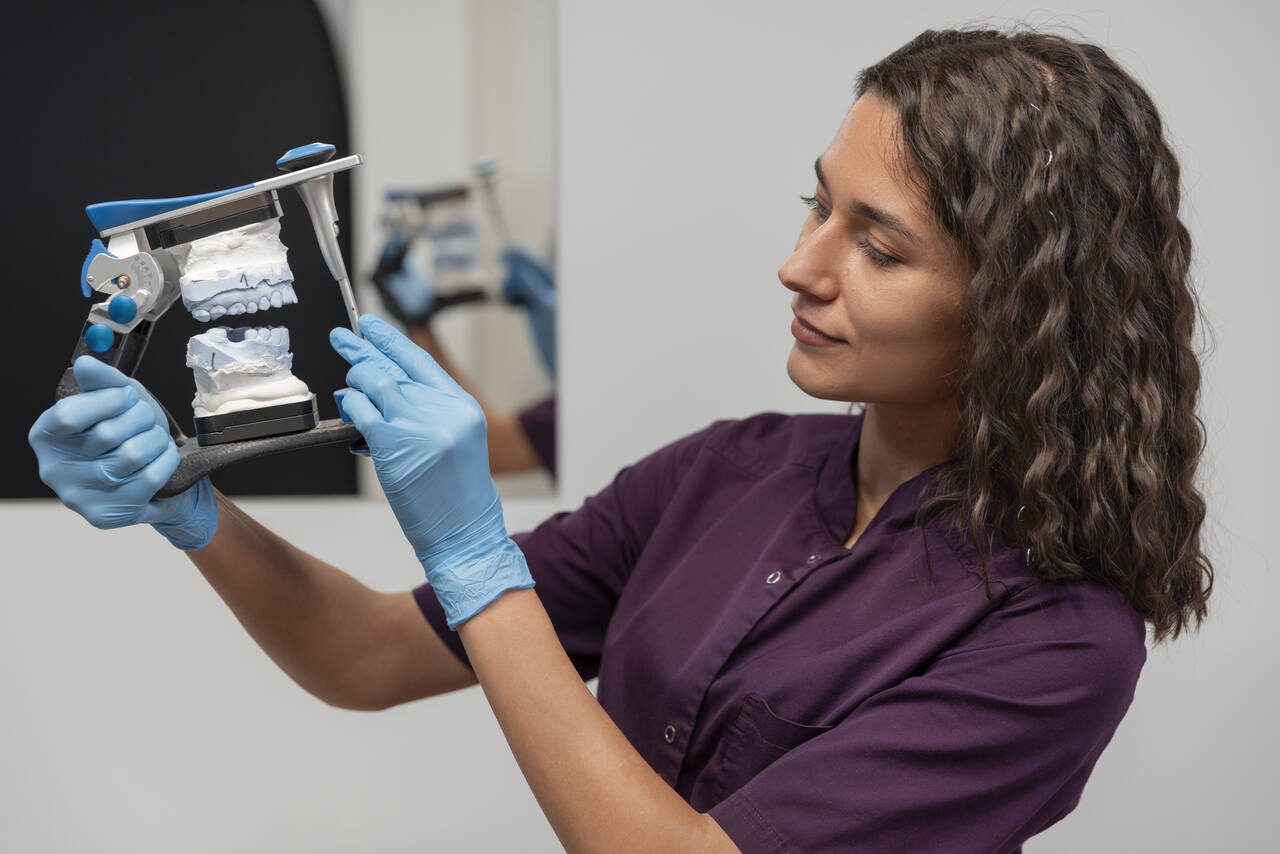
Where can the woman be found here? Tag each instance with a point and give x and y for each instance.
(911, 629)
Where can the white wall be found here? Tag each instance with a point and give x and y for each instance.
(138, 717)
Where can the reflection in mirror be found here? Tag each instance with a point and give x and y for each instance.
(452, 108)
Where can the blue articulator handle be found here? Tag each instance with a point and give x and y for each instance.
(106, 215)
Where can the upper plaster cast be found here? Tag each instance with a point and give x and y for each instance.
(235, 272)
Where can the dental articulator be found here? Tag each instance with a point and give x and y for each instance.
(220, 253)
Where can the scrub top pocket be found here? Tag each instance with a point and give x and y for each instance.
(755, 740)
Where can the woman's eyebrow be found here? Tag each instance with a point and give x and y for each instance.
(890, 221)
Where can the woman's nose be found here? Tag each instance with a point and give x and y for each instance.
(813, 266)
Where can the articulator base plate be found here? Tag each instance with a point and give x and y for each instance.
(257, 423)
(196, 460)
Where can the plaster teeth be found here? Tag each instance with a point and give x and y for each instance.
(261, 297)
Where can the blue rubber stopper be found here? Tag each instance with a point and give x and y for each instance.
(122, 308)
(99, 338)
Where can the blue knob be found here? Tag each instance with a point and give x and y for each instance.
(99, 338)
(122, 308)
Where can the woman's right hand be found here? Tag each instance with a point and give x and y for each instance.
(107, 450)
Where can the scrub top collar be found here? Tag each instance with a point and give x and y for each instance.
(836, 492)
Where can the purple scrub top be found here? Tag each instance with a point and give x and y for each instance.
(817, 698)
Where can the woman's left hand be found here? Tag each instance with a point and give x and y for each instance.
(426, 437)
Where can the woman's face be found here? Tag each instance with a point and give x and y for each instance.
(873, 275)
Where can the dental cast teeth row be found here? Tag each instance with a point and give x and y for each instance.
(255, 349)
(276, 337)
(250, 301)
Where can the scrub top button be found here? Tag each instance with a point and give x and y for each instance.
(812, 558)
(669, 734)
(773, 577)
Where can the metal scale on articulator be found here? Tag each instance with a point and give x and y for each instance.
(140, 278)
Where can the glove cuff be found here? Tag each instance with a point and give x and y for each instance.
(196, 517)
(474, 577)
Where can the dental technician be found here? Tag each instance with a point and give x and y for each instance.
(914, 628)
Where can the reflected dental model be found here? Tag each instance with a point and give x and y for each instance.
(235, 272)
(243, 368)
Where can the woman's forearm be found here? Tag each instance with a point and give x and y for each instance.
(345, 643)
(598, 793)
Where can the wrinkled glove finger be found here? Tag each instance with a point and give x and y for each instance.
(110, 433)
(356, 350)
(146, 482)
(134, 454)
(339, 396)
(381, 389)
(79, 412)
(92, 374)
(360, 411)
(124, 503)
(411, 358)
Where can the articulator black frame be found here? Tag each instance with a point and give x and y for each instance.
(141, 278)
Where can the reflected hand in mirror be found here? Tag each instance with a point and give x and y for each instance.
(519, 441)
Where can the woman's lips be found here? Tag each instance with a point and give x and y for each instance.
(806, 334)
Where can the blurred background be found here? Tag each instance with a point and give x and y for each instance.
(650, 156)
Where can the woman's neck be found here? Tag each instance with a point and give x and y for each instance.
(897, 443)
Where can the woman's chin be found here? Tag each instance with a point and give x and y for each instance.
(816, 382)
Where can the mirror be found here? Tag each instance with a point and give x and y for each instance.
(452, 108)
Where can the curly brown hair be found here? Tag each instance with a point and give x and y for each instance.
(1046, 163)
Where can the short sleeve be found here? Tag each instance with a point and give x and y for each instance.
(581, 559)
(987, 745)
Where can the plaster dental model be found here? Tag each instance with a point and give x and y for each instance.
(243, 368)
(235, 272)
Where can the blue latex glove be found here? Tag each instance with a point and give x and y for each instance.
(107, 450)
(531, 283)
(407, 289)
(427, 440)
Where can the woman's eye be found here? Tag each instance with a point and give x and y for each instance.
(816, 206)
(876, 256)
